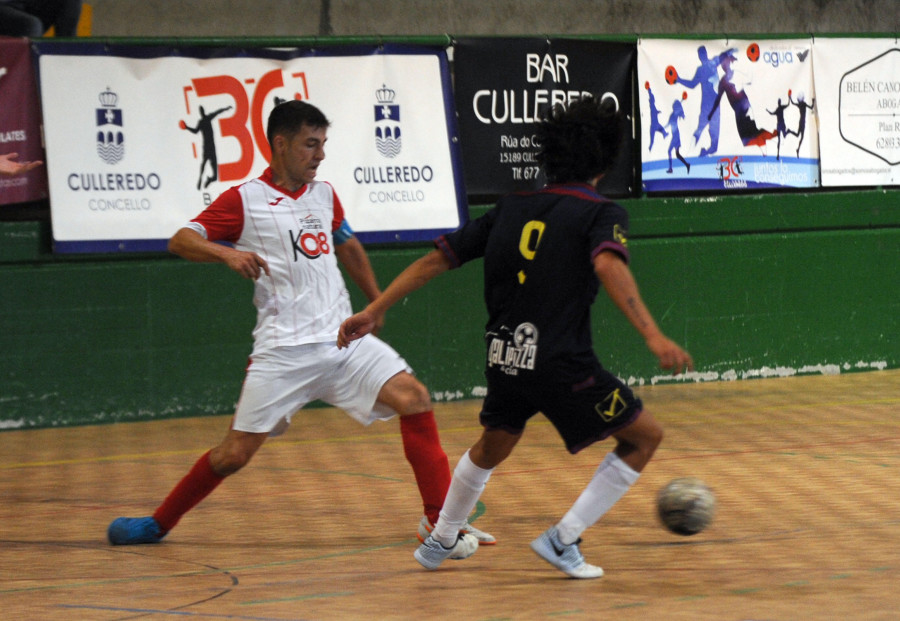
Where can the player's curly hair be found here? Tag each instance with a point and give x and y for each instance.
(289, 117)
(579, 141)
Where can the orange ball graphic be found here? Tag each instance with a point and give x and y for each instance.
(753, 52)
(671, 74)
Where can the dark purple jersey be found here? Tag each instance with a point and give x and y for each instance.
(539, 280)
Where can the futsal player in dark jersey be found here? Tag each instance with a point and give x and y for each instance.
(546, 253)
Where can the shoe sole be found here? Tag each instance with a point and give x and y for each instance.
(427, 565)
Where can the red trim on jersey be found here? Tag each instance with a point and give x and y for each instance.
(441, 244)
(267, 177)
(338, 217)
(338, 208)
(224, 218)
(616, 247)
(581, 190)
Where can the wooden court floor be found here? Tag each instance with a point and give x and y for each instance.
(322, 524)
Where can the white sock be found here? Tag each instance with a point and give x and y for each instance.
(611, 480)
(465, 488)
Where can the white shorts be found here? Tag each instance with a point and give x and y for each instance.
(281, 381)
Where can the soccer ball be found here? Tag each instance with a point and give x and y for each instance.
(686, 506)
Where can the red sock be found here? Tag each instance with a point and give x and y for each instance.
(194, 487)
(423, 450)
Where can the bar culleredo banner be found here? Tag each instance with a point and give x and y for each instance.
(20, 123)
(504, 86)
(141, 138)
(727, 115)
(858, 99)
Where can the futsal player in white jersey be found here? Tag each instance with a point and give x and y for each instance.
(288, 233)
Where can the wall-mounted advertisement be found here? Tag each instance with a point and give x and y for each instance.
(20, 125)
(504, 86)
(727, 114)
(858, 93)
(140, 139)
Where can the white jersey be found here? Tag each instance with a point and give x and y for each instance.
(305, 298)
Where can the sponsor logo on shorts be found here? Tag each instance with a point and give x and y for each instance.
(611, 407)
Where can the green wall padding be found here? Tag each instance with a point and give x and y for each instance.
(752, 286)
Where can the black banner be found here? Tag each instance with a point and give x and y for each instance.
(503, 86)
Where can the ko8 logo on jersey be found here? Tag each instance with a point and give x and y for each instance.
(311, 241)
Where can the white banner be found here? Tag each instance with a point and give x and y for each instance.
(140, 140)
(727, 114)
(858, 97)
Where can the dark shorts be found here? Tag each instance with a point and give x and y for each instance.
(584, 413)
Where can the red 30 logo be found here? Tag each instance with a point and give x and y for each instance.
(239, 109)
(729, 168)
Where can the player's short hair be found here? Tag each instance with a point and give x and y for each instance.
(579, 141)
(289, 117)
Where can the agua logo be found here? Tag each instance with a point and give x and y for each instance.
(776, 58)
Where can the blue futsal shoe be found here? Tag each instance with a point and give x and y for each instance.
(125, 531)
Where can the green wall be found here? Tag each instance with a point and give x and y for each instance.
(768, 284)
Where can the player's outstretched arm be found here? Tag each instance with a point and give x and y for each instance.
(413, 277)
(621, 287)
(189, 244)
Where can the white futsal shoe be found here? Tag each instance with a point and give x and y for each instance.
(566, 558)
(432, 553)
